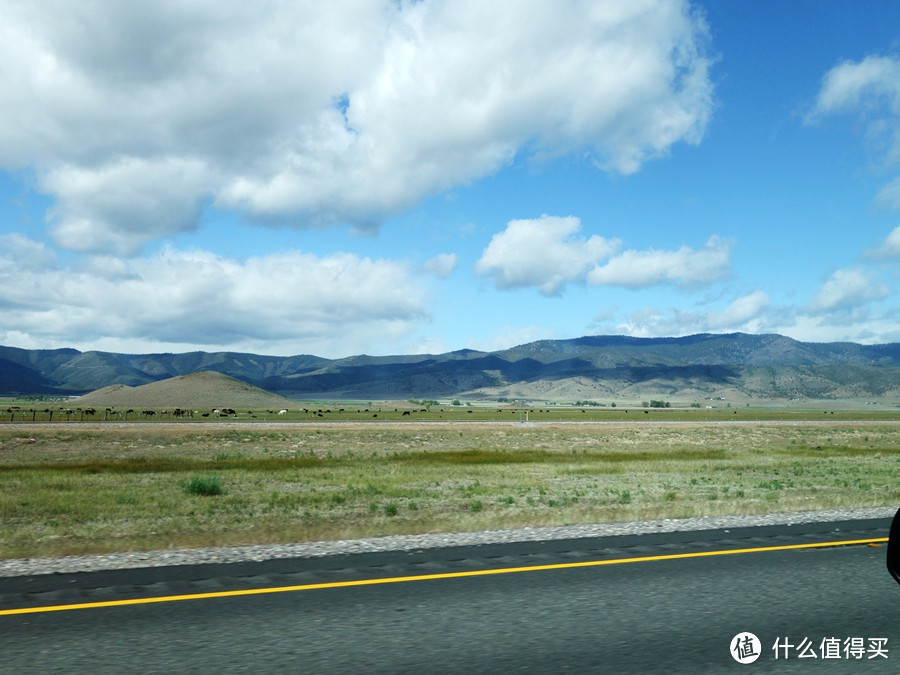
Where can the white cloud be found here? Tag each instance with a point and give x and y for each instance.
(120, 206)
(282, 303)
(889, 249)
(133, 114)
(871, 88)
(18, 254)
(429, 345)
(845, 313)
(746, 313)
(888, 198)
(854, 84)
(873, 329)
(545, 253)
(542, 253)
(686, 266)
(847, 290)
(442, 265)
(511, 336)
(740, 312)
(648, 322)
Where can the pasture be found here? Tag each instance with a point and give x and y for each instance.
(13, 412)
(70, 488)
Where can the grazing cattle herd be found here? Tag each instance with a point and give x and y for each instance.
(16, 413)
(114, 414)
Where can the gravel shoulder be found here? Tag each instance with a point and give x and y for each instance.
(92, 563)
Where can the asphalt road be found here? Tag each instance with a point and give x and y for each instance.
(668, 610)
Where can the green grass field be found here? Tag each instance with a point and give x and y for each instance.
(76, 488)
(15, 412)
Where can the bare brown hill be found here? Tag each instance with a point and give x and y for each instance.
(203, 389)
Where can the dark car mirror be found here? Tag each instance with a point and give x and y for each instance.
(893, 549)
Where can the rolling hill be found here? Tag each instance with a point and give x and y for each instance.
(734, 367)
(204, 388)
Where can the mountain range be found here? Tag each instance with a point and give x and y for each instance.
(734, 367)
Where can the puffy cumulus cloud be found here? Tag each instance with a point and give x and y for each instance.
(442, 265)
(862, 326)
(746, 313)
(889, 248)
(207, 80)
(740, 312)
(431, 344)
(120, 206)
(839, 317)
(871, 88)
(511, 336)
(309, 114)
(281, 303)
(652, 322)
(544, 253)
(18, 253)
(850, 85)
(888, 198)
(685, 266)
(847, 290)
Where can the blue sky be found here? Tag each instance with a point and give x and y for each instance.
(414, 177)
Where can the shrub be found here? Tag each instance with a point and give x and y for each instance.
(204, 485)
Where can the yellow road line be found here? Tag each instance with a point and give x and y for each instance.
(431, 577)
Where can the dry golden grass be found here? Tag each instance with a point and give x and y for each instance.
(93, 488)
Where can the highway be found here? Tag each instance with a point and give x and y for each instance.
(644, 603)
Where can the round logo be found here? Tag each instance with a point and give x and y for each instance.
(745, 647)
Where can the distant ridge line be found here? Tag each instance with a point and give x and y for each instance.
(733, 366)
